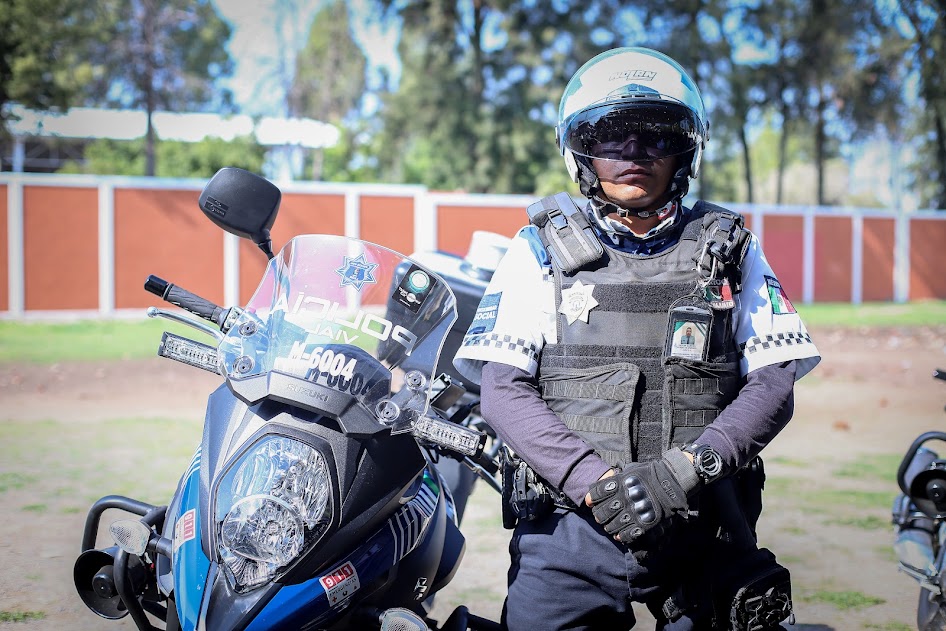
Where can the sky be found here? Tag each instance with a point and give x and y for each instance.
(267, 34)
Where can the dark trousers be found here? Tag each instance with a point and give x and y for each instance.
(566, 572)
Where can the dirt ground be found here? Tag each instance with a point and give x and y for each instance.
(831, 480)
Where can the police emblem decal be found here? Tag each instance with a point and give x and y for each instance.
(577, 301)
(356, 272)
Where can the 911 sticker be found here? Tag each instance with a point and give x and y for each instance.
(780, 302)
(185, 529)
(340, 583)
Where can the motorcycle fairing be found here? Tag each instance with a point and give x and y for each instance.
(190, 564)
(417, 527)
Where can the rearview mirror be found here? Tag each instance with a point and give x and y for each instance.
(242, 203)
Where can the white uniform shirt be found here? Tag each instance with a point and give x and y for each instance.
(516, 317)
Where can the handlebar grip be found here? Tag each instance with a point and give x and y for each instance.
(157, 286)
(186, 300)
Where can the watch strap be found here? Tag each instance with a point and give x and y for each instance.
(699, 452)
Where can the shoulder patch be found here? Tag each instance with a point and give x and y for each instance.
(485, 318)
(777, 296)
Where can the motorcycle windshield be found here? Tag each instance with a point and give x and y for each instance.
(337, 319)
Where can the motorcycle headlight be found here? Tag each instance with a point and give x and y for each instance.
(272, 504)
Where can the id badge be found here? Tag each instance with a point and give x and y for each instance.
(688, 332)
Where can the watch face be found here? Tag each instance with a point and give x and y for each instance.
(710, 463)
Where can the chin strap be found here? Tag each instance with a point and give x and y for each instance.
(663, 212)
(600, 210)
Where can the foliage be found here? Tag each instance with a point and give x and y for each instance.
(203, 159)
(351, 159)
(174, 158)
(42, 64)
(110, 157)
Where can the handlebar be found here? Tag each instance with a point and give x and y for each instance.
(186, 300)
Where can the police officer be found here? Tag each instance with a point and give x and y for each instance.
(627, 431)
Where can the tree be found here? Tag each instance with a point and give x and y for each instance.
(927, 18)
(329, 77)
(429, 132)
(43, 46)
(171, 52)
(778, 74)
(475, 107)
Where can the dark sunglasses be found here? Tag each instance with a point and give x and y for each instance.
(632, 133)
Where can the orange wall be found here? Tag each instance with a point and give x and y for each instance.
(927, 263)
(832, 259)
(298, 214)
(164, 232)
(61, 248)
(456, 224)
(747, 218)
(783, 242)
(4, 252)
(877, 274)
(388, 221)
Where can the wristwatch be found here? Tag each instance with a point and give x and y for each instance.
(707, 462)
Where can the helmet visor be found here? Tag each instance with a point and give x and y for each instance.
(633, 132)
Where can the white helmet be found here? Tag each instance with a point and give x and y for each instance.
(627, 91)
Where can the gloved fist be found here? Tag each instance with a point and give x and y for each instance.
(643, 495)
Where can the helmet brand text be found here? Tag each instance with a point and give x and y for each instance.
(646, 75)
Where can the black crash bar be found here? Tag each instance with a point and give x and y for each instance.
(152, 516)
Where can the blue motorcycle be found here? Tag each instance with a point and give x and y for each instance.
(314, 500)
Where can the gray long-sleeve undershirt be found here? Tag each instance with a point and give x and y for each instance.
(510, 402)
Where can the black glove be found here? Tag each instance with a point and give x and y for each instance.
(643, 495)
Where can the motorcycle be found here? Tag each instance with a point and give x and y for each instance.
(919, 518)
(315, 499)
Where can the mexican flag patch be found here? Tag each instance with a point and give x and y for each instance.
(780, 302)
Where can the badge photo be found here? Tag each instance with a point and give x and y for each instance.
(688, 332)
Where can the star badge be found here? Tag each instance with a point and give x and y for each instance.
(577, 301)
(356, 272)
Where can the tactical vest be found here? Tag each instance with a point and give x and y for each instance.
(607, 377)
